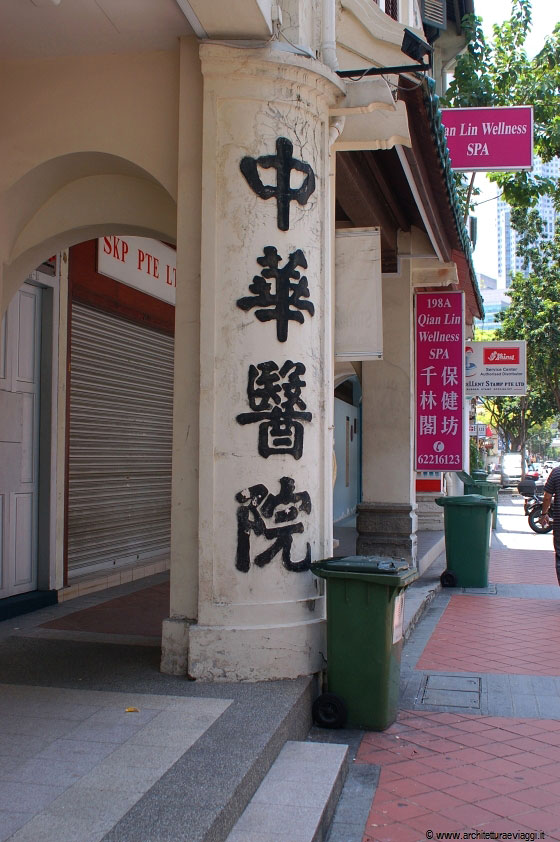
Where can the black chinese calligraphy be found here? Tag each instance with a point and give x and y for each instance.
(284, 163)
(288, 298)
(274, 394)
(274, 517)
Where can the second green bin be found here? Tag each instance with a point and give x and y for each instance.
(486, 489)
(365, 605)
(467, 522)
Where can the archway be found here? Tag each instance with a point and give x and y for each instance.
(63, 202)
(347, 489)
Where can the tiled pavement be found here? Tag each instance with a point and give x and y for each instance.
(459, 772)
(476, 745)
(140, 613)
(66, 754)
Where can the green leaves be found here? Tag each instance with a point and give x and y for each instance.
(499, 72)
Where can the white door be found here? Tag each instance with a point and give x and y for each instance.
(20, 346)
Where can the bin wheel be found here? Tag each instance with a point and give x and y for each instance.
(329, 711)
(448, 579)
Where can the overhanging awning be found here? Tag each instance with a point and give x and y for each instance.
(400, 185)
(372, 118)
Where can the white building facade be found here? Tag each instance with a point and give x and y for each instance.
(230, 136)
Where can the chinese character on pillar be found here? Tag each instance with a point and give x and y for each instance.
(274, 517)
(274, 394)
(279, 293)
(285, 302)
(284, 163)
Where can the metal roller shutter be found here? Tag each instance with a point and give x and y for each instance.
(121, 422)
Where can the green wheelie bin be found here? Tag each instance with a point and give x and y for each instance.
(486, 489)
(479, 475)
(467, 523)
(365, 609)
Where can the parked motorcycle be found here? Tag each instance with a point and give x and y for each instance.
(533, 507)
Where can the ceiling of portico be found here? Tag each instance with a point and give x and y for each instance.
(42, 29)
(371, 190)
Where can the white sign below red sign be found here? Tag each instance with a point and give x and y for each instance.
(139, 262)
(495, 368)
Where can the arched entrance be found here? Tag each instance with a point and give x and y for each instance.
(37, 395)
(348, 448)
(347, 489)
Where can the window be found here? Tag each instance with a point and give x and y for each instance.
(390, 7)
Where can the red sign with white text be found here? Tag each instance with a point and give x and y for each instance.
(489, 139)
(440, 368)
(503, 356)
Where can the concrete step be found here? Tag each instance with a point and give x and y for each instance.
(298, 796)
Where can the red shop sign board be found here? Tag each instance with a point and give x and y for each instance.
(489, 139)
(440, 376)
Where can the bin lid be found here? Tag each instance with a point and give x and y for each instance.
(467, 500)
(464, 477)
(374, 569)
(364, 564)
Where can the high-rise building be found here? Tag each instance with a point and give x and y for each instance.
(509, 261)
(495, 300)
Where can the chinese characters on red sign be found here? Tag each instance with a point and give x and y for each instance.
(439, 381)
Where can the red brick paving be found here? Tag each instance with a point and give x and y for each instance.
(447, 773)
(496, 635)
(532, 567)
(482, 792)
(139, 613)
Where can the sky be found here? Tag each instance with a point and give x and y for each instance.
(496, 11)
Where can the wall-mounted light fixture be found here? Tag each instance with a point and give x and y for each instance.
(412, 46)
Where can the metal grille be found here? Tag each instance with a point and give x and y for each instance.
(392, 8)
(121, 423)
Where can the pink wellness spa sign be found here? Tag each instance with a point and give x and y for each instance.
(440, 371)
(489, 139)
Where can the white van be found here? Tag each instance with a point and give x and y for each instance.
(511, 469)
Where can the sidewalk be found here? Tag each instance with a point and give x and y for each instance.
(476, 745)
(96, 744)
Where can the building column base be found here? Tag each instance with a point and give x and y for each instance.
(257, 653)
(430, 515)
(387, 529)
(175, 646)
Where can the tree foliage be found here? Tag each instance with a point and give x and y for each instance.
(518, 418)
(534, 312)
(495, 73)
(499, 72)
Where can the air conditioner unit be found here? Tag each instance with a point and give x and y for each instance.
(434, 13)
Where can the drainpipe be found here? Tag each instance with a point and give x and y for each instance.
(336, 127)
(328, 55)
(328, 45)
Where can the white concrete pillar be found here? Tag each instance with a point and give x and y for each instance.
(266, 372)
(387, 515)
(186, 409)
